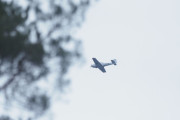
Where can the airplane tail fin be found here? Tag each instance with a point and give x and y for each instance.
(114, 62)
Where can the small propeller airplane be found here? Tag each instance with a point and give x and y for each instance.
(101, 65)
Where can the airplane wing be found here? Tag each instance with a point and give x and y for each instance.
(96, 61)
(102, 69)
(99, 65)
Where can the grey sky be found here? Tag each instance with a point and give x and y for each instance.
(144, 37)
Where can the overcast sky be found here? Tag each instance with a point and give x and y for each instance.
(144, 37)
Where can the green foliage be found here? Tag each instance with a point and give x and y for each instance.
(31, 37)
(5, 118)
(38, 103)
(11, 40)
(34, 53)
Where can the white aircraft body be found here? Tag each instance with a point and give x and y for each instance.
(101, 65)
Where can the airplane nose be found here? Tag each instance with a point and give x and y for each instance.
(92, 66)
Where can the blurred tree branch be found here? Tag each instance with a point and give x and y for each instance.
(19, 70)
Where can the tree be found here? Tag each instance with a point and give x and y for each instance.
(32, 37)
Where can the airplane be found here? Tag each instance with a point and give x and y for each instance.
(101, 65)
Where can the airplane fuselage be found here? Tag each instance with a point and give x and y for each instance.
(103, 64)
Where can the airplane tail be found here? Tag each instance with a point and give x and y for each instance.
(114, 62)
